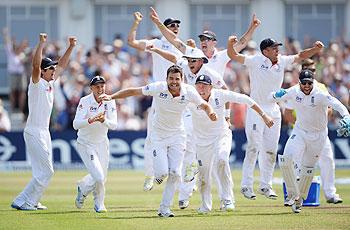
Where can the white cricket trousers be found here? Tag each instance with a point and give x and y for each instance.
(39, 150)
(168, 154)
(213, 160)
(147, 149)
(190, 158)
(309, 146)
(327, 169)
(262, 145)
(96, 159)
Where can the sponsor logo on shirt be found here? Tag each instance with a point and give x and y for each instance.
(264, 67)
(80, 107)
(93, 109)
(49, 89)
(298, 99)
(163, 95)
(165, 47)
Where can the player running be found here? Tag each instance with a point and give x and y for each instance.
(93, 118)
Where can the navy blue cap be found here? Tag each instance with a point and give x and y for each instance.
(306, 75)
(47, 63)
(205, 79)
(96, 80)
(268, 42)
(169, 21)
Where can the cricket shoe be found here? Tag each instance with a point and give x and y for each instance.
(268, 193)
(101, 209)
(191, 172)
(165, 212)
(227, 205)
(148, 183)
(203, 211)
(24, 207)
(184, 204)
(248, 193)
(39, 206)
(335, 199)
(296, 207)
(79, 200)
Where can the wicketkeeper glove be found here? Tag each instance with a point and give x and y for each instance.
(280, 93)
(344, 129)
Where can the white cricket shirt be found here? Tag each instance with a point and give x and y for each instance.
(40, 103)
(206, 130)
(266, 78)
(167, 120)
(311, 110)
(160, 64)
(218, 61)
(95, 132)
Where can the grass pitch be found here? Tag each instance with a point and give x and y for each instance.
(131, 208)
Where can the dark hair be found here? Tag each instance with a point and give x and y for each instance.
(174, 69)
(307, 63)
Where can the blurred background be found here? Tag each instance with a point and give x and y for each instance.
(101, 27)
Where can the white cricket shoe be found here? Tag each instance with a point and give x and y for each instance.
(184, 204)
(101, 209)
(79, 200)
(148, 183)
(335, 199)
(39, 206)
(24, 207)
(296, 207)
(268, 192)
(191, 172)
(248, 193)
(165, 212)
(203, 211)
(227, 205)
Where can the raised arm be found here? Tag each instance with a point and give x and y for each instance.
(165, 54)
(231, 51)
(137, 44)
(168, 34)
(37, 58)
(63, 61)
(247, 36)
(307, 53)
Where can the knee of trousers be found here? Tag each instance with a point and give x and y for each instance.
(251, 154)
(44, 178)
(174, 177)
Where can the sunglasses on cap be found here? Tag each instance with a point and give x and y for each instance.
(173, 25)
(306, 82)
(192, 60)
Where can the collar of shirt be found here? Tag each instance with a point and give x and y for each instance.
(268, 62)
(183, 90)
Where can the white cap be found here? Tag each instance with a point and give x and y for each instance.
(195, 53)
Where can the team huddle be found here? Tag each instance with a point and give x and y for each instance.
(189, 138)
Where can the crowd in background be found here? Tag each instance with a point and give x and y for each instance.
(124, 67)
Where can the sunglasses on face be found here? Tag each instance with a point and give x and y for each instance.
(306, 82)
(190, 60)
(173, 25)
(204, 39)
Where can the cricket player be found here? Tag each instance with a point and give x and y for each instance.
(159, 68)
(168, 138)
(309, 134)
(213, 141)
(266, 73)
(326, 160)
(36, 133)
(93, 118)
(193, 64)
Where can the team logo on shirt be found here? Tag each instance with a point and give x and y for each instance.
(182, 99)
(313, 101)
(147, 87)
(165, 47)
(80, 107)
(217, 101)
(49, 89)
(163, 95)
(106, 107)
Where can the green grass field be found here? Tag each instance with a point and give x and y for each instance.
(131, 208)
